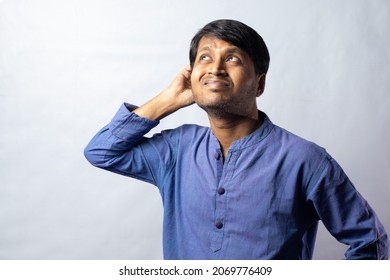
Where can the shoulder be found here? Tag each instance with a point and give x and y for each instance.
(307, 158)
(297, 145)
(193, 128)
(186, 131)
(296, 153)
(283, 142)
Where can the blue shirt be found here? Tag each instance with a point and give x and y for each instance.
(263, 202)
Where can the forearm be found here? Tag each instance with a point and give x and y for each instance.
(157, 108)
(348, 216)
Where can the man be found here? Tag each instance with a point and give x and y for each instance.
(243, 188)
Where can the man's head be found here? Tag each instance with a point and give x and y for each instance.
(229, 61)
(238, 34)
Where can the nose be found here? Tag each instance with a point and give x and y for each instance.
(217, 68)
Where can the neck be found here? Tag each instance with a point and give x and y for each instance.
(228, 130)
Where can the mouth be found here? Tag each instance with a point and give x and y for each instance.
(216, 83)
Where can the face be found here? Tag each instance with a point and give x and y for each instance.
(224, 81)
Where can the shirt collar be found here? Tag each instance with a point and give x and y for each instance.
(255, 137)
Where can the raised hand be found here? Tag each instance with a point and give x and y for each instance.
(177, 95)
(179, 92)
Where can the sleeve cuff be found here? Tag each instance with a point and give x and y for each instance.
(128, 126)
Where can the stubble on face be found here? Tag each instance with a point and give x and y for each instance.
(228, 108)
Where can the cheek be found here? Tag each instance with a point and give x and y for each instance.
(247, 82)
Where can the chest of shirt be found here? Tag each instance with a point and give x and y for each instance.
(251, 185)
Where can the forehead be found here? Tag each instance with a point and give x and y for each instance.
(214, 43)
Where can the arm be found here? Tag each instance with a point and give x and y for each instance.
(347, 215)
(177, 95)
(121, 147)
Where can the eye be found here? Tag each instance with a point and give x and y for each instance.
(233, 59)
(205, 57)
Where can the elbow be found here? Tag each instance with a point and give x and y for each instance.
(383, 247)
(93, 156)
(377, 249)
(88, 154)
(98, 151)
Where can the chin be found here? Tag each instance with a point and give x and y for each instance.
(218, 110)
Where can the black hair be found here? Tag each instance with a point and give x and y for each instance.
(238, 34)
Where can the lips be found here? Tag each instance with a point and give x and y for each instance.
(216, 83)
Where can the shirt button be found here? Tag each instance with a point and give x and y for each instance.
(217, 155)
(221, 191)
(219, 225)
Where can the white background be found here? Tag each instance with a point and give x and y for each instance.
(66, 67)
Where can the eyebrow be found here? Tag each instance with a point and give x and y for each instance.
(206, 48)
(228, 50)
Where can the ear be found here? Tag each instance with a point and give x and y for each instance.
(260, 84)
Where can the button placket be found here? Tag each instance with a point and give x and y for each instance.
(220, 205)
(221, 192)
(220, 208)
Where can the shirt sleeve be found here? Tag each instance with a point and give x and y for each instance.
(347, 215)
(121, 147)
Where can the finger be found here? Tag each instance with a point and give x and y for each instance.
(187, 71)
(185, 76)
